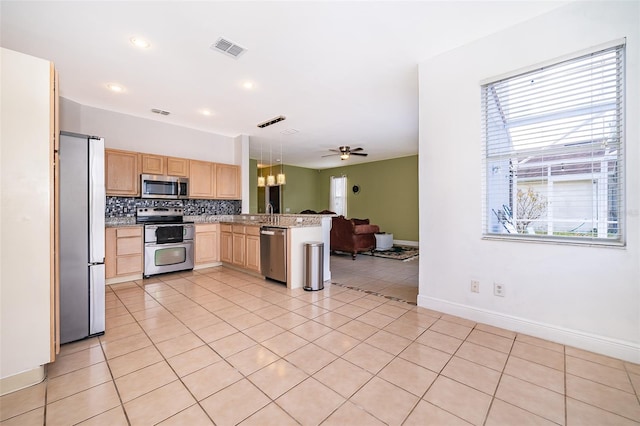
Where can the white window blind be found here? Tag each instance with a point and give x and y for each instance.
(553, 151)
(338, 195)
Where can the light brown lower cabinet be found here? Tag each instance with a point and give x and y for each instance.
(226, 243)
(252, 245)
(124, 251)
(207, 244)
(240, 246)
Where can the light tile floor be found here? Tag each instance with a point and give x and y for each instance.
(376, 275)
(221, 347)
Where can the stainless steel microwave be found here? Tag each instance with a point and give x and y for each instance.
(158, 186)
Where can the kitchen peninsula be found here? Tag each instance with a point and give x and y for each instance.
(300, 229)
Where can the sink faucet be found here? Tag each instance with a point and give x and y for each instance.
(270, 212)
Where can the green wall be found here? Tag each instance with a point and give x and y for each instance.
(298, 194)
(388, 192)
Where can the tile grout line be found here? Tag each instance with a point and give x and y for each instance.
(232, 296)
(153, 343)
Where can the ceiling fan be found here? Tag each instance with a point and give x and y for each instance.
(345, 151)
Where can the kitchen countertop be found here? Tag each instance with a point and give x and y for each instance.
(281, 220)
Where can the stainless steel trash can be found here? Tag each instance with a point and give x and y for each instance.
(313, 266)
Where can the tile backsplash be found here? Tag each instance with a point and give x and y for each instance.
(126, 206)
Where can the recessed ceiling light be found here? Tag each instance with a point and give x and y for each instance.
(247, 85)
(206, 112)
(140, 42)
(115, 87)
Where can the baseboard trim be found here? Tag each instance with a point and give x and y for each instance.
(123, 279)
(22, 380)
(406, 243)
(615, 348)
(207, 265)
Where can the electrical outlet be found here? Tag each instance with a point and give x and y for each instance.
(498, 289)
(475, 286)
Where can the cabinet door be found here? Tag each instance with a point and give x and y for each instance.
(110, 252)
(206, 246)
(228, 181)
(177, 167)
(226, 247)
(129, 265)
(153, 164)
(238, 249)
(201, 179)
(253, 252)
(121, 173)
(125, 246)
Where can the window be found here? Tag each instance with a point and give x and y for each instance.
(553, 151)
(338, 195)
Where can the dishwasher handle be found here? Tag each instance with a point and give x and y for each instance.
(263, 232)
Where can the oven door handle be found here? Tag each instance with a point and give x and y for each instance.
(169, 245)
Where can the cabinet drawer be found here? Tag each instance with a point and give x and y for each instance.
(238, 229)
(134, 231)
(208, 227)
(126, 246)
(128, 265)
(225, 228)
(252, 230)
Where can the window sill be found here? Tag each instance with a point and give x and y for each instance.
(555, 241)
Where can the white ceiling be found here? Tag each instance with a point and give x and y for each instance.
(343, 73)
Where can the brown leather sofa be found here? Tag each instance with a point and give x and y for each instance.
(352, 235)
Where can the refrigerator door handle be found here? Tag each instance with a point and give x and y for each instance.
(96, 299)
(96, 200)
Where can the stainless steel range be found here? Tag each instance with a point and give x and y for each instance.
(168, 240)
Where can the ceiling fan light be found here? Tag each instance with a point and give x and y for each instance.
(344, 156)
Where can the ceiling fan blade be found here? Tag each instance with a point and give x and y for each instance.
(362, 154)
(335, 150)
(356, 149)
(330, 155)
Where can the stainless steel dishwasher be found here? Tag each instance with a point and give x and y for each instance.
(273, 253)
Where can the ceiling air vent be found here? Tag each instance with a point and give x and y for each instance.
(228, 48)
(159, 111)
(272, 121)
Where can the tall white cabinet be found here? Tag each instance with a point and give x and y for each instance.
(27, 297)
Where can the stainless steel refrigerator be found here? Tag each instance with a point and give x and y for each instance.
(81, 221)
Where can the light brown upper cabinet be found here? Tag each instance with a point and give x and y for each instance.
(153, 164)
(207, 180)
(202, 182)
(122, 174)
(228, 181)
(177, 167)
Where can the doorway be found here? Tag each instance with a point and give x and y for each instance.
(270, 195)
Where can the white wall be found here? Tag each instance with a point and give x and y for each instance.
(122, 131)
(25, 202)
(582, 296)
(242, 158)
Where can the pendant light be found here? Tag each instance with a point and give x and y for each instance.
(261, 178)
(281, 178)
(271, 179)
